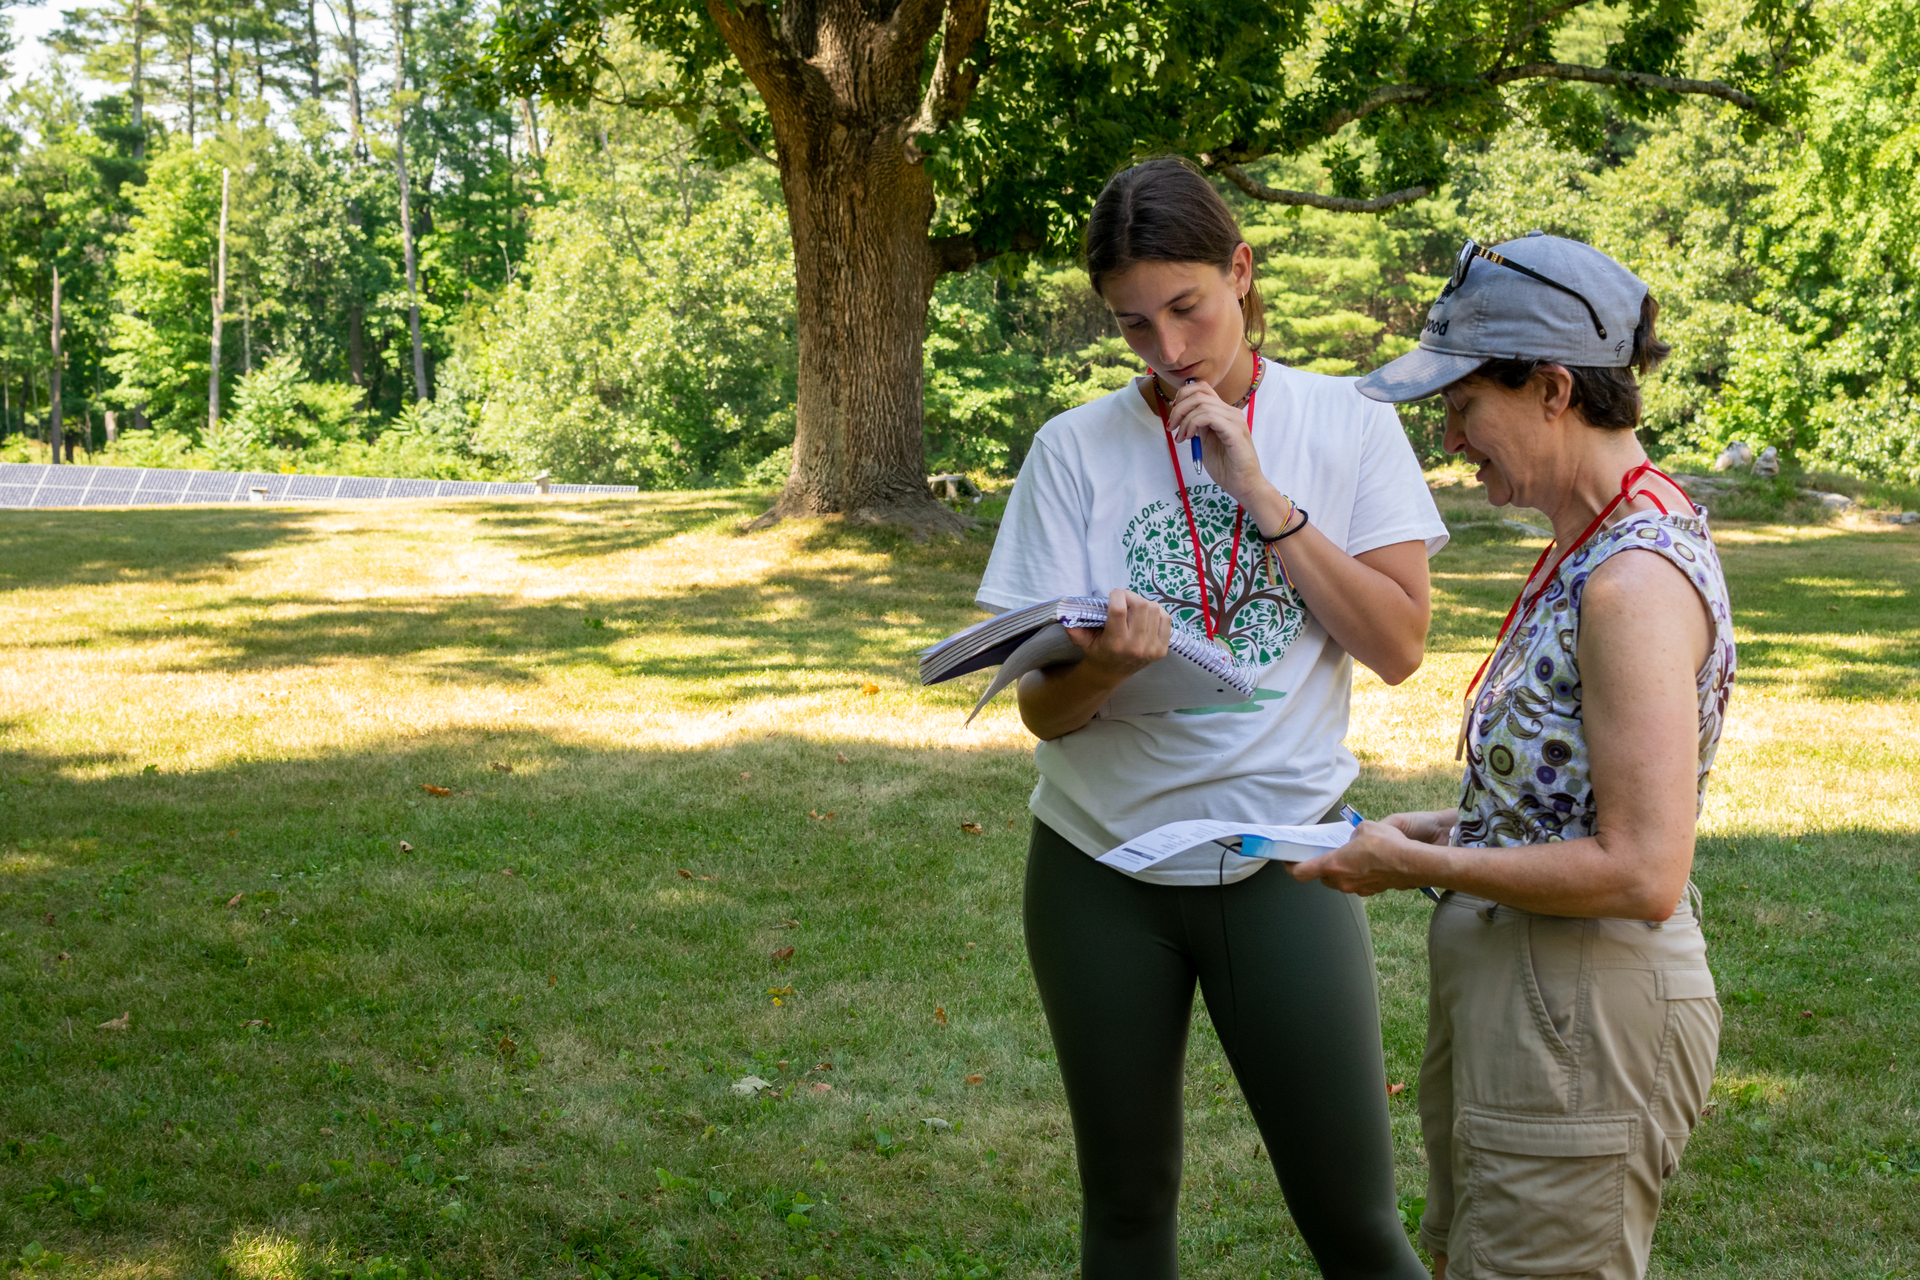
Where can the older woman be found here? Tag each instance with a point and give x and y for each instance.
(1572, 1018)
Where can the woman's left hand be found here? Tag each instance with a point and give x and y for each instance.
(1378, 857)
(1226, 446)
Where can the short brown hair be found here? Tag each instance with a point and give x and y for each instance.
(1608, 398)
(1164, 210)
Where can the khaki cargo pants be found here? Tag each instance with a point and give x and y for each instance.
(1567, 1061)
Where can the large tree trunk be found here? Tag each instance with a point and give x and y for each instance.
(864, 271)
(843, 84)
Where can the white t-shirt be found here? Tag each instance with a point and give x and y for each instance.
(1096, 507)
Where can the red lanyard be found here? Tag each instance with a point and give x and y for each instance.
(1523, 604)
(1193, 529)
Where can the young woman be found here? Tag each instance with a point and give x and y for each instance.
(1572, 1019)
(1299, 540)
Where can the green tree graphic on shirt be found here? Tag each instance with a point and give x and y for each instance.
(1258, 618)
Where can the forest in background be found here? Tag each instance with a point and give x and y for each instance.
(596, 302)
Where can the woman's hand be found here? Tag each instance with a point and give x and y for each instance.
(1136, 635)
(1056, 701)
(1428, 826)
(1380, 856)
(1226, 446)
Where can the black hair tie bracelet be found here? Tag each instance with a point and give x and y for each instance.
(1284, 534)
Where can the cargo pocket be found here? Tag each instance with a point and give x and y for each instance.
(1548, 1192)
(1686, 1059)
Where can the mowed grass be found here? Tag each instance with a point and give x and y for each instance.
(505, 1031)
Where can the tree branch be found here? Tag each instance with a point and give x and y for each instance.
(1338, 204)
(954, 75)
(1629, 79)
(1390, 95)
(776, 70)
(958, 253)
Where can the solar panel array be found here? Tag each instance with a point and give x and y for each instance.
(34, 485)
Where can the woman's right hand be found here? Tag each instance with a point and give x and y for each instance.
(1430, 826)
(1055, 701)
(1136, 635)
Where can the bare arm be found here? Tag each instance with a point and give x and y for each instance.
(1643, 635)
(1057, 700)
(1375, 605)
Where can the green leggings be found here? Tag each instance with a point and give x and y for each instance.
(1287, 972)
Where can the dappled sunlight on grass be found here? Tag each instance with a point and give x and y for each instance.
(376, 819)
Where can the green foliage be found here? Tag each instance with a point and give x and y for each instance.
(650, 337)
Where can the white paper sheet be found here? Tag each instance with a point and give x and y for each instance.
(1283, 844)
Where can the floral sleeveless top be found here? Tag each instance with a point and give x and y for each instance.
(1528, 780)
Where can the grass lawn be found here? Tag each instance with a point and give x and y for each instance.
(443, 874)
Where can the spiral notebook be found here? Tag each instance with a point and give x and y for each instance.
(1195, 673)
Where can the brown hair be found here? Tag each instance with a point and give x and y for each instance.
(1163, 210)
(1608, 398)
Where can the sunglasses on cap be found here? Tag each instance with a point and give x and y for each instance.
(1474, 249)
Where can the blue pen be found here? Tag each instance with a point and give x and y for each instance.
(1352, 815)
(1195, 442)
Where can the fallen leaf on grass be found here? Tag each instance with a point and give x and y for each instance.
(234, 901)
(405, 847)
(62, 958)
(815, 813)
(507, 871)
(506, 1048)
(940, 1015)
(47, 919)
(255, 1022)
(432, 790)
(553, 979)
(685, 874)
(789, 924)
(819, 1086)
(840, 757)
(1395, 1090)
(823, 1066)
(747, 1086)
(971, 828)
(121, 1023)
(1806, 1013)
(936, 1124)
(784, 953)
(745, 774)
(500, 766)
(976, 1078)
(869, 688)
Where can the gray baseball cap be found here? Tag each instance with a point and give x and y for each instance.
(1536, 298)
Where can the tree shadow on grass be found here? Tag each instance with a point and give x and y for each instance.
(1795, 601)
(773, 635)
(187, 545)
(477, 1050)
(585, 530)
(52, 549)
(565, 972)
